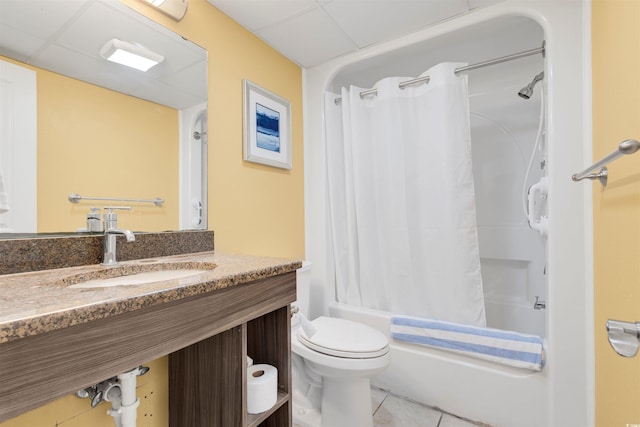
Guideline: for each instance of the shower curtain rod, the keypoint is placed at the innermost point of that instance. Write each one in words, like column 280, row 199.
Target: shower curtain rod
column 495, row 61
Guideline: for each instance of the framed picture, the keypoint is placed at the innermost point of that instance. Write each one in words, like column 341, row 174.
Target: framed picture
column 267, row 127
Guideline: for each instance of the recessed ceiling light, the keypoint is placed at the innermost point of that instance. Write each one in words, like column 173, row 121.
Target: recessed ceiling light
column 129, row 54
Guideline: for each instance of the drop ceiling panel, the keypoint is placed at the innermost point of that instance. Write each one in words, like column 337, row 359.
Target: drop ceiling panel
column 158, row 91
column 367, row 22
column 297, row 29
column 257, row 14
column 38, row 18
column 66, row 61
column 18, row 45
column 69, row 38
column 85, row 36
column 189, row 80
column 310, row 38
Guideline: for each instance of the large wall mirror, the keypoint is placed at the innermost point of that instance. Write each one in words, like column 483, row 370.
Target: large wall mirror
column 66, row 37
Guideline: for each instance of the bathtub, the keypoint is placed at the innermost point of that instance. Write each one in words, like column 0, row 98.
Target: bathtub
column 466, row 387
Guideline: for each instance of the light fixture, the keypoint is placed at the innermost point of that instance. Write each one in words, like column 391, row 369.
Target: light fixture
column 173, row 8
column 129, row 54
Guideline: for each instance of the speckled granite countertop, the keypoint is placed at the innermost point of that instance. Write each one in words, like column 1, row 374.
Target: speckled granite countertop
column 25, row 253
column 37, row 302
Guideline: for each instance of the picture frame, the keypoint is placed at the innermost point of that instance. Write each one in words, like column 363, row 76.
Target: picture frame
column 266, row 127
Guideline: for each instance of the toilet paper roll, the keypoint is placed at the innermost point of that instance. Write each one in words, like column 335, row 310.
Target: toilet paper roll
column 262, row 388
column 249, row 361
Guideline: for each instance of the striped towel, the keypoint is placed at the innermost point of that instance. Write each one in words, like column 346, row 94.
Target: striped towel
column 506, row 347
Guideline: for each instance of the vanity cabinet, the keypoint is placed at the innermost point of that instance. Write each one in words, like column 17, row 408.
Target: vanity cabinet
column 207, row 380
column 207, row 337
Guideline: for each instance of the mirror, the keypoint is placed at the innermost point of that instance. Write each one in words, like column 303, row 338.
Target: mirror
column 65, row 37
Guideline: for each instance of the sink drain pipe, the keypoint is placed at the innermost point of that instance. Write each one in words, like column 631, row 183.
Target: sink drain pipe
column 124, row 402
column 120, row 391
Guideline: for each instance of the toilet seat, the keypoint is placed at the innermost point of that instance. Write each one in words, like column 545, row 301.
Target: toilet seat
column 344, row 338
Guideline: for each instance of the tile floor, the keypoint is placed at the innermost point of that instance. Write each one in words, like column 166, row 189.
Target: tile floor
column 393, row 411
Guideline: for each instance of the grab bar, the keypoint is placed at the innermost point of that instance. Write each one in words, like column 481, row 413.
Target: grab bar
column 624, row 337
column 75, row 198
column 628, row 146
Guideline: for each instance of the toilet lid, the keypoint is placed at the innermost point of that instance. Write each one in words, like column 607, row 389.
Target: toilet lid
column 345, row 338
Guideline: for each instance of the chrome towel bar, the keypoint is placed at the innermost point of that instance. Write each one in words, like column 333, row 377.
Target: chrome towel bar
column 75, row 198
column 628, row 146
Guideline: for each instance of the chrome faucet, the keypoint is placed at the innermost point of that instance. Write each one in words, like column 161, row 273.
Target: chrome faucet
column 110, row 233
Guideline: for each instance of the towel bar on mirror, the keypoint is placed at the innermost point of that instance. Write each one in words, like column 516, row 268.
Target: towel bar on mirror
column 624, row 337
column 628, row 146
column 75, row 198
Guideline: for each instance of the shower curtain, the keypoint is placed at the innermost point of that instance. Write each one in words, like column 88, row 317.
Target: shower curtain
column 401, row 198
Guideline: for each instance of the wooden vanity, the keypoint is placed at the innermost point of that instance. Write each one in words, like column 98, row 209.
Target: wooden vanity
column 207, row 324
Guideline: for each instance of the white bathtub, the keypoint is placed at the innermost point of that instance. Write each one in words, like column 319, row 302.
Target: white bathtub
column 467, row 387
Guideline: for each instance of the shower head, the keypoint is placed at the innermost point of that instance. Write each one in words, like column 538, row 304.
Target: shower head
column 527, row 91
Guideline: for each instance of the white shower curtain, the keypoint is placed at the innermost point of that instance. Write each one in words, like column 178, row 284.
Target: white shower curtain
column 401, row 198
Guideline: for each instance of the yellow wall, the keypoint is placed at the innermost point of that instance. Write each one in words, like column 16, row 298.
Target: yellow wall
column 152, row 390
column 616, row 117
column 252, row 208
column 97, row 142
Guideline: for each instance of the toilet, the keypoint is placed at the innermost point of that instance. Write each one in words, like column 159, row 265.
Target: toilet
column 332, row 366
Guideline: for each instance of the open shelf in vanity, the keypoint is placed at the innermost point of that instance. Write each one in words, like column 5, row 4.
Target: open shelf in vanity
column 207, row 380
column 269, row 341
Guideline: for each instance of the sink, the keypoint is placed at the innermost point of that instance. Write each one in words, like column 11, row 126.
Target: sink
column 136, row 274
column 137, row 279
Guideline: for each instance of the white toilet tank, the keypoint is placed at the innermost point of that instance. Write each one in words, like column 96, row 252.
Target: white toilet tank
column 303, row 288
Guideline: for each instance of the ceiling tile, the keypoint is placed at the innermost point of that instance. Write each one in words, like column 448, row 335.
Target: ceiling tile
column 66, row 62
column 257, row 14
column 371, row 21
column 316, row 40
column 156, row 91
column 40, row 18
column 96, row 26
column 17, row 44
column 69, row 43
column 88, row 37
column 189, row 80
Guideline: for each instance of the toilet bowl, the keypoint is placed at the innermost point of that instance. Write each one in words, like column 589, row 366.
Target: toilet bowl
column 333, row 366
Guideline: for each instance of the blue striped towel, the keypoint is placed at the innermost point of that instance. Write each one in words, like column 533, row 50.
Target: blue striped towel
column 506, row 347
